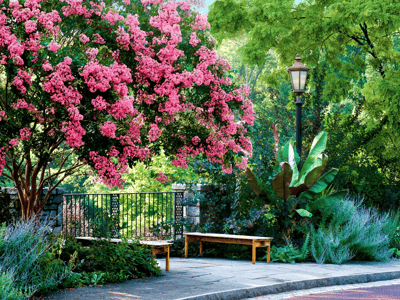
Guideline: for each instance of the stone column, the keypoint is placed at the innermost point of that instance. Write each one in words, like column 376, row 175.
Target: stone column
column 191, row 208
column 53, row 209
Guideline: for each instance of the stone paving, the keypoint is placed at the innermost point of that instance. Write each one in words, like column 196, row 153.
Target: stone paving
column 213, row 278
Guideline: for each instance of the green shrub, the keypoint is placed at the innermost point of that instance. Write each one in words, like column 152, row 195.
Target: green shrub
column 28, row 258
column 347, row 230
column 290, row 253
column 107, row 262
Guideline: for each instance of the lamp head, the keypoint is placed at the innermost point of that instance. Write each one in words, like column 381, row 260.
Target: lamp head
column 298, row 76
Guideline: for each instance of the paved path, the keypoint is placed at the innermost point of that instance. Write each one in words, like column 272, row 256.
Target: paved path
column 212, row 278
column 384, row 290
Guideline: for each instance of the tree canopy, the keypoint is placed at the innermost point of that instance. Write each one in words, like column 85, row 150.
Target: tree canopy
column 352, row 47
column 112, row 85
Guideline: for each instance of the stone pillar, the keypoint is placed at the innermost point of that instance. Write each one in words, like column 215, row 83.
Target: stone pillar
column 191, row 208
column 53, row 209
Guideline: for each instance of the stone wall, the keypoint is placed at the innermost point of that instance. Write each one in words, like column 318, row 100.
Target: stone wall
column 53, row 208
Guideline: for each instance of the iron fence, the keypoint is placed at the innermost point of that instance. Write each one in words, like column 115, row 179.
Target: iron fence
column 123, row 214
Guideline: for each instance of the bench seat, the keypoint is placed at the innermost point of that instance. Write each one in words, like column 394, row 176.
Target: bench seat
column 254, row 241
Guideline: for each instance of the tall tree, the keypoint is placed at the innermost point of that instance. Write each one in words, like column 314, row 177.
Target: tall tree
column 113, row 85
column 357, row 42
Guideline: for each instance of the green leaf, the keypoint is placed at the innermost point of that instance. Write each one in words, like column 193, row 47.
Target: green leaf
column 283, row 153
column 281, row 182
column 317, row 147
column 326, row 201
column 293, row 165
column 254, row 182
column 269, row 216
column 323, row 182
column 316, row 171
column 304, row 213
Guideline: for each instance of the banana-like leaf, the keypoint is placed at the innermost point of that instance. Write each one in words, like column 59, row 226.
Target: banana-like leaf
column 295, row 190
column 326, row 201
column 317, row 147
column 281, row 182
column 323, row 182
column 283, row 153
column 316, row 172
column 254, row 182
column 293, row 165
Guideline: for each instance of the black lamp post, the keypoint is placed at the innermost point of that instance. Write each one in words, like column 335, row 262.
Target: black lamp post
column 298, row 77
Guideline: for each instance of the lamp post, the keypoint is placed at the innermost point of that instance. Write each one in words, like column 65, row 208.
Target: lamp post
column 298, row 77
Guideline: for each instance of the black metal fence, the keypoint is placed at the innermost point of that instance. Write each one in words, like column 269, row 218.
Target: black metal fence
column 123, row 214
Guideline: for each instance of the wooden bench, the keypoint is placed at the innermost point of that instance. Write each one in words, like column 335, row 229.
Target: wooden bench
column 254, row 241
column 158, row 247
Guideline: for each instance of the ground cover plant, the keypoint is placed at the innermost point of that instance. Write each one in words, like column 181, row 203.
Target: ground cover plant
column 111, row 83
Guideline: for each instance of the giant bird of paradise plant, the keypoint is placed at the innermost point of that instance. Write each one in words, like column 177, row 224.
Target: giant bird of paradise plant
column 308, row 183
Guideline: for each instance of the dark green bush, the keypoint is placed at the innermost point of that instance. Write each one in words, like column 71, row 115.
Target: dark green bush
column 107, row 262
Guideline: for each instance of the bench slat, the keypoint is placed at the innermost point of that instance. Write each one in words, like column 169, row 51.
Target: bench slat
column 228, row 236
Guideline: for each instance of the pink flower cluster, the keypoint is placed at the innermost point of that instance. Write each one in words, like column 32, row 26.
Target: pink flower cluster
column 25, row 133
column 193, row 39
column 2, row 115
column 2, row 158
column 154, row 132
column 161, row 177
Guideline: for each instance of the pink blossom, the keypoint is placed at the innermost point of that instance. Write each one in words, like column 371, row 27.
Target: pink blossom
column 161, row 177
column 108, row 129
column 201, row 22
column 242, row 164
column 227, row 170
column 98, row 39
column 91, row 53
column 47, row 66
column 126, row 2
column 196, row 140
column 2, row 159
column 112, row 17
column 25, row 133
column 83, row 38
column 154, row 132
column 193, row 39
column 147, row 2
column 99, row 103
column 30, row 26
column 53, row 46
column 3, row 60
column 2, row 115
column 14, row 142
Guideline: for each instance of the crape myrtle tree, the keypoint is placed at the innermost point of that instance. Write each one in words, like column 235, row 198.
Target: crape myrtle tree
column 112, row 84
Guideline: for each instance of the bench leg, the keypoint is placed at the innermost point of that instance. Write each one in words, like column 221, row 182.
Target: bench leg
column 167, row 259
column 253, row 256
column 201, row 247
column 153, row 254
column 186, row 247
column 268, row 253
